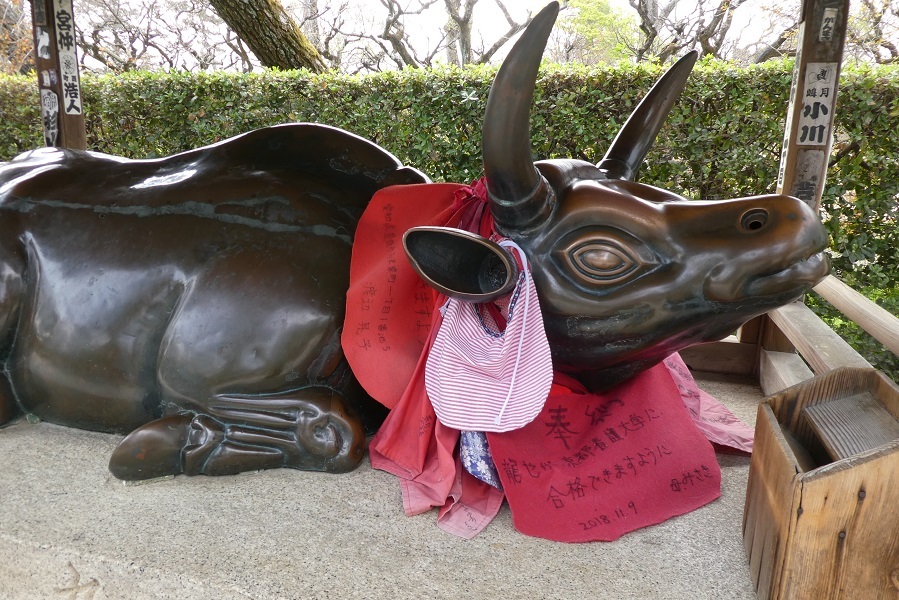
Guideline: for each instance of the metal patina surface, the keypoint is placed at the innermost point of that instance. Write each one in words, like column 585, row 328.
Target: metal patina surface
column 197, row 300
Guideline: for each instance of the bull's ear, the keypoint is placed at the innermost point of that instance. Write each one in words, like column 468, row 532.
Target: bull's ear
column 460, row 264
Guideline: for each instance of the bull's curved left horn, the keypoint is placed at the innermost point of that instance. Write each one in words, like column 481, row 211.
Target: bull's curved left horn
column 639, row 132
column 519, row 196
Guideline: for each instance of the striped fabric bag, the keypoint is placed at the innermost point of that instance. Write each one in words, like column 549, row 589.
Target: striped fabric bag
column 479, row 379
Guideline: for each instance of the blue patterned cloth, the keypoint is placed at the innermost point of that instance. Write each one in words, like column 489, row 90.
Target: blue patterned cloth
column 476, row 459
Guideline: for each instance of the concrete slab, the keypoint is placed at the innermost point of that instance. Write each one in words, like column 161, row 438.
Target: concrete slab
column 68, row 529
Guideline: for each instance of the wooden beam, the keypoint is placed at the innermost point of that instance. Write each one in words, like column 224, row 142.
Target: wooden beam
column 808, row 134
column 59, row 83
column 774, row 339
column 821, row 347
column 780, row 370
column 749, row 332
column 877, row 321
column 727, row 356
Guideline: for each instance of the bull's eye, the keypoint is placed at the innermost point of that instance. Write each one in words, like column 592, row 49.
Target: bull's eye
column 604, row 261
column 600, row 260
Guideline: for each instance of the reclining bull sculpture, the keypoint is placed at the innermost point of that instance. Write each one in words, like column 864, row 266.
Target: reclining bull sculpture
column 197, row 300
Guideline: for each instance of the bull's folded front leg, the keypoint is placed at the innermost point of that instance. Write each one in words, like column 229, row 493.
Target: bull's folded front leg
column 307, row 428
column 310, row 428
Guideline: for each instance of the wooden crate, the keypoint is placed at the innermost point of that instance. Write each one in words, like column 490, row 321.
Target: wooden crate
column 822, row 505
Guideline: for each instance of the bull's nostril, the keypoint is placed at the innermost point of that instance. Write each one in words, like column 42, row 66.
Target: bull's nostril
column 755, row 219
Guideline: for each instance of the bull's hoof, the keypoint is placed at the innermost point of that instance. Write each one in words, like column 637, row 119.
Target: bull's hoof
column 334, row 435
column 154, row 450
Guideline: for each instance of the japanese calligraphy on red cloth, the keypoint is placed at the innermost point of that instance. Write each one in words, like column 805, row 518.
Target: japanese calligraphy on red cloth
column 592, row 467
column 388, row 313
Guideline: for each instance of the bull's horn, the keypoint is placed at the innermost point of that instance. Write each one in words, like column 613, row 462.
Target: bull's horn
column 519, row 196
column 636, row 137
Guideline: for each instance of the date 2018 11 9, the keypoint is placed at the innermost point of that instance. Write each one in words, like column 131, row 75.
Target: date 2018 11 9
column 601, row 520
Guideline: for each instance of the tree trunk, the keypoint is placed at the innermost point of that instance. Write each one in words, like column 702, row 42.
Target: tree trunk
column 270, row 33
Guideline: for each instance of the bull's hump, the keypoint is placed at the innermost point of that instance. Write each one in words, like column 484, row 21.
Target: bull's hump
column 295, row 174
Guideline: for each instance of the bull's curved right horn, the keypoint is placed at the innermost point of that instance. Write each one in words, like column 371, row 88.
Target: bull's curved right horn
column 639, row 132
column 519, row 196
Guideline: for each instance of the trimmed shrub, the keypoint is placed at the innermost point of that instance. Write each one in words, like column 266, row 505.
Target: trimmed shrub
column 722, row 140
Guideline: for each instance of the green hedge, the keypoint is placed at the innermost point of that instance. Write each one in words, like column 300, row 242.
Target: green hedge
column 722, row 140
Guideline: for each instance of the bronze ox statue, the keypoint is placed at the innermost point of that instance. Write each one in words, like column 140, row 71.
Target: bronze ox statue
column 196, row 301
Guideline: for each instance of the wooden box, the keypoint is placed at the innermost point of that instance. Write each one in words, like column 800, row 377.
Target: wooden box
column 822, row 504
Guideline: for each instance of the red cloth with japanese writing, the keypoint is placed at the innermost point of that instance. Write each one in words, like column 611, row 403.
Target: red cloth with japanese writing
column 389, row 307
column 592, row 467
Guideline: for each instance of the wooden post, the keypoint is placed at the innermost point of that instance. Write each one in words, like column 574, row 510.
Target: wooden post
column 808, row 135
column 56, row 64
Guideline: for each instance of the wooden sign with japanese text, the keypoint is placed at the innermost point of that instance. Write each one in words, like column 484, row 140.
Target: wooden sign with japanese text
column 59, row 83
column 389, row 307
column 68, row 59
column 809, row 130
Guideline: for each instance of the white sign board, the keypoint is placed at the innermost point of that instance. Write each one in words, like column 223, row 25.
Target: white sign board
column 68, row 60
column 818, row 94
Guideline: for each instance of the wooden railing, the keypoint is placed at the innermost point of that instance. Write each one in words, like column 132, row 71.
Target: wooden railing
column 881, row 324
column 792, row 344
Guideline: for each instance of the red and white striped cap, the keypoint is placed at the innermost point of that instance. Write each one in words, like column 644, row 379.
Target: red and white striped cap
column 483, row 380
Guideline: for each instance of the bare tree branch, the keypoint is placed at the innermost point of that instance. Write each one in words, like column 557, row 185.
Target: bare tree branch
column 775, row 48
column 271, row 33
column 125, row 34
column 873, row 30
column 118, row 35
column 514, row 28
column 672, row 27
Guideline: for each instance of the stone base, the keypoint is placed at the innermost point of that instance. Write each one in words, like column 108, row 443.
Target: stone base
column 70, row 530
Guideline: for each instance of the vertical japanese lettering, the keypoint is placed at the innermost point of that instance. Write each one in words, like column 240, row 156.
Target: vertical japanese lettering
column 828, row 24
column 816, row 116
column 68, row 59
column 50, row 116
column 39, row 13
